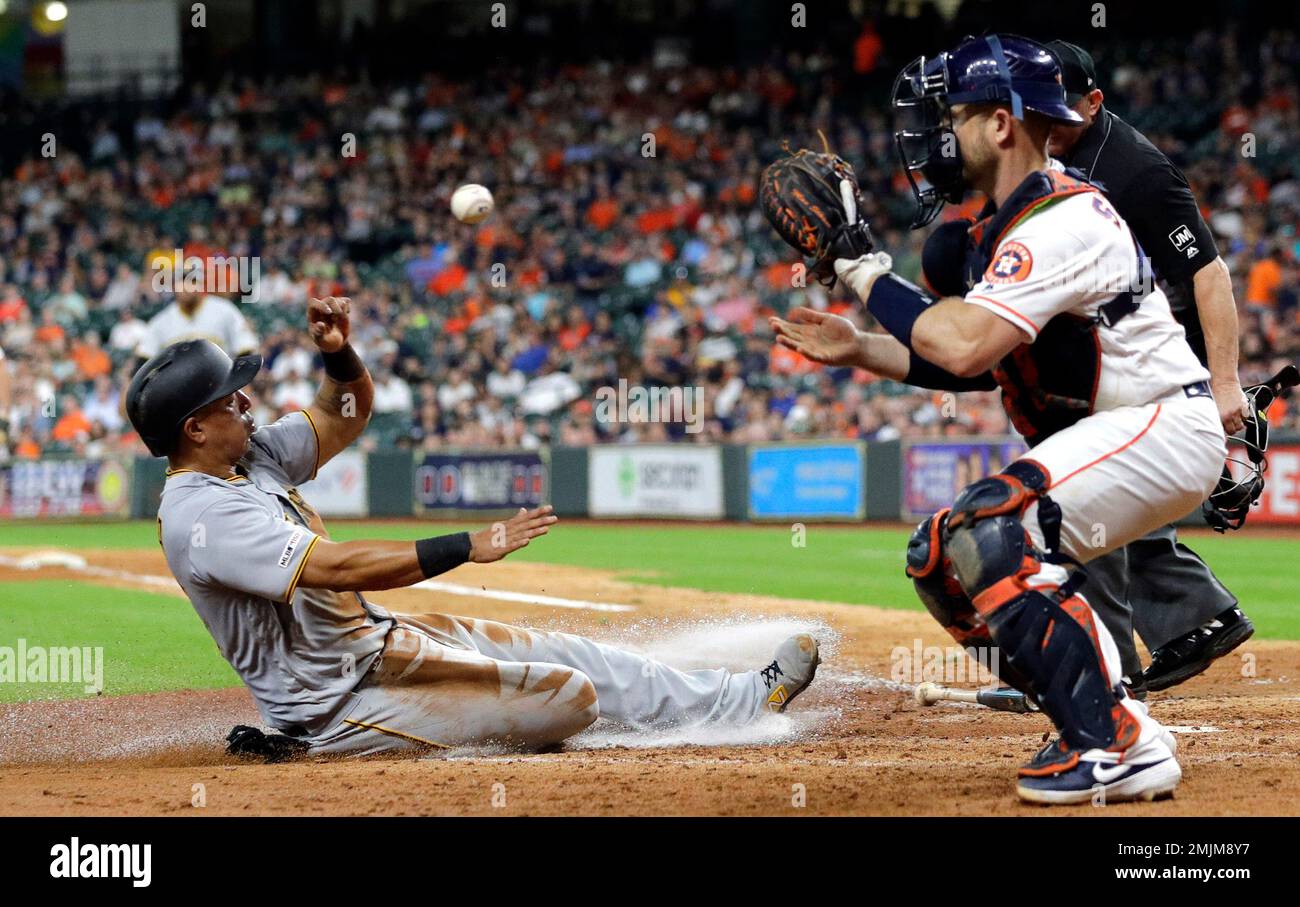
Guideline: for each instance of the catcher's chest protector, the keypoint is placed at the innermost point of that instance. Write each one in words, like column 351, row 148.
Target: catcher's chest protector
column 1052, row 383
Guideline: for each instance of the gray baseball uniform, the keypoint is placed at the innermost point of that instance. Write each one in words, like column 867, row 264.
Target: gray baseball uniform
column 238, row 548
column 348, row 676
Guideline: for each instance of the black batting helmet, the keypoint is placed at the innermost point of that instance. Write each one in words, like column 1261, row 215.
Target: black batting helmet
column 178, row 382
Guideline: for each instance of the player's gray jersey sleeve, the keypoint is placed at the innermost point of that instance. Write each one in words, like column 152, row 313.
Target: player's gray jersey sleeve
column 244, row 547
column 292, row 442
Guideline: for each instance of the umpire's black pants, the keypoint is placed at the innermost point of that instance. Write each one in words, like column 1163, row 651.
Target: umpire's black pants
column 1156, row 586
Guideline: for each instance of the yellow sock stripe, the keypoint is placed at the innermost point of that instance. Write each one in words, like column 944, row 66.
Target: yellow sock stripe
column 387, row 730
column 297, row 574
column 315, row 431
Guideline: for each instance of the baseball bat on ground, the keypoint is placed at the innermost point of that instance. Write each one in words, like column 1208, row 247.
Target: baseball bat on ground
column 1004, row 699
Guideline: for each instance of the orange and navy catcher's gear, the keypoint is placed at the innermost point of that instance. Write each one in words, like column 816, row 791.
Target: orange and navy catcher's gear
column 1046, row 635
column 1005, row 69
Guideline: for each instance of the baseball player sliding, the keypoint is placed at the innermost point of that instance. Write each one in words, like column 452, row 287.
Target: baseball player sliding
column 284, row 603
column 1094, row 371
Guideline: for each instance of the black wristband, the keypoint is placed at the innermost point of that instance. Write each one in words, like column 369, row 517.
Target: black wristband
column 345, row 366
column 443, row 552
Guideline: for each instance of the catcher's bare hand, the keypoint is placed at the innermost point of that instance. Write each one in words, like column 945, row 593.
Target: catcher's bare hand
column 499, row 539
column 819, row 336
column 1232, row 402
column 329, row 322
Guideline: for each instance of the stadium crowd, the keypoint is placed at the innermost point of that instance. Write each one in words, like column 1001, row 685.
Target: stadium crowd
column 625, row 245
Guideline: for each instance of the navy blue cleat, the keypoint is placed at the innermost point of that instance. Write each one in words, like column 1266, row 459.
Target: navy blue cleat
column 1074, row 780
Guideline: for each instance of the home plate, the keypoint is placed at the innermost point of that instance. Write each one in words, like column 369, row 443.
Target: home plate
column 1193, row 728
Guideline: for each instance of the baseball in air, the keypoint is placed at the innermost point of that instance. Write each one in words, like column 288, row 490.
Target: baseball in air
column 471, row 203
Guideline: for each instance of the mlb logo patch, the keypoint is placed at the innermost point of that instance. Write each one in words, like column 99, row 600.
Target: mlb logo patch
column 290, row 547
column 1011, row 264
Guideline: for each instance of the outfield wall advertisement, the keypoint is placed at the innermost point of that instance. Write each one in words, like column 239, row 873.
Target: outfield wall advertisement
column 340, row 489
column 660, row 480
column 480, row 481
column 934, row 471
column 71, row 488
column 812, row 481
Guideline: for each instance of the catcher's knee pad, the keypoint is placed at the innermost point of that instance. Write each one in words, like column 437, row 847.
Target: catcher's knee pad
column 985, row 536
column 936, row 586
column 939, row 590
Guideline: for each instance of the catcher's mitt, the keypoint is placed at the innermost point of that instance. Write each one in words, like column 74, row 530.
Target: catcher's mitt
column 811, row 198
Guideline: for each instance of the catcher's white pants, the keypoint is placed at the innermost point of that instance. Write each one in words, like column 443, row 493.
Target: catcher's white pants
column 1122, row 473
column 1118, row 475
column 448, row 681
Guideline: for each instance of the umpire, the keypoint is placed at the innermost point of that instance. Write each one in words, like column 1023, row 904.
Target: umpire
column 1157, row 585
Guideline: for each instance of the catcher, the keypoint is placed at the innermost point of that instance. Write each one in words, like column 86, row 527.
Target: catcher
column 335, row 672
column 1098, row 377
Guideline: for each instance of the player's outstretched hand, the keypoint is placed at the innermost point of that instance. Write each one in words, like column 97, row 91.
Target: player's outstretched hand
column 329, row 322
column 499, row 539
column 819, row 336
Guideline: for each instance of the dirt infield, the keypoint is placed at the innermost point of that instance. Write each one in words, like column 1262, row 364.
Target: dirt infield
column 856, row 743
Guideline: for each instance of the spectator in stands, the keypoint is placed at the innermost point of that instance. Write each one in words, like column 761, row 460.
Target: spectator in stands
column 127, row 333
column 27, row 447
column 102, row 406
column 72, row 424
column 91, row 359
column 656, row 270
column 123, row 291
column 67, row 306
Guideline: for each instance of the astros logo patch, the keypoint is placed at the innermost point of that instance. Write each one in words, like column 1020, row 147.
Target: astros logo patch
column 1011, row 264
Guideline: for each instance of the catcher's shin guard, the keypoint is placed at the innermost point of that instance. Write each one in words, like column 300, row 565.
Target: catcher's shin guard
column 1047, row 636
column 938, row 589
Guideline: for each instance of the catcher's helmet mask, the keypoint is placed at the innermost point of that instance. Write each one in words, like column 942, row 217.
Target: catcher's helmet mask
column 1229, row 504
column 992, row 69
column 177, row 383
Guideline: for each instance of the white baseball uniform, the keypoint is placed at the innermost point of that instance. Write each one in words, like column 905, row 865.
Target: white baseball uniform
column 215, row 319
column 1153, row 446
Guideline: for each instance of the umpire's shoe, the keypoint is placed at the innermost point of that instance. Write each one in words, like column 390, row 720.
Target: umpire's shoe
column 1192, row 653
column 790, row 672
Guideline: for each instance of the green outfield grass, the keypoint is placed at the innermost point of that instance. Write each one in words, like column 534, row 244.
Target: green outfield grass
column 164, row 646
column 150, row 642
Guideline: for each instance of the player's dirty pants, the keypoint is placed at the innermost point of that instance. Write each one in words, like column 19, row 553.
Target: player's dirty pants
column 447, row 681
column 1120, row 474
